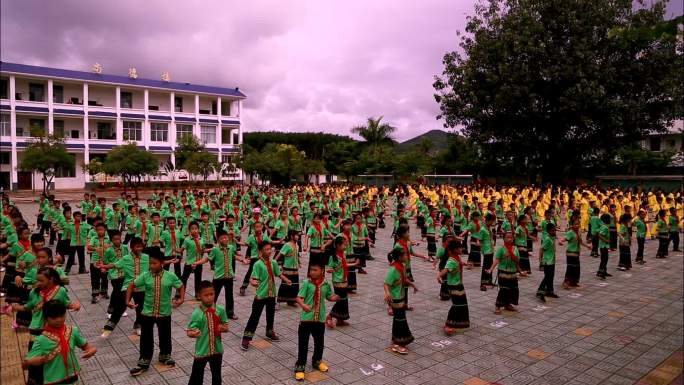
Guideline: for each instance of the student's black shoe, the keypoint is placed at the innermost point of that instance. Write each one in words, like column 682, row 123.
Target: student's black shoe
column 83, row 272
column 601, row 275
column 552, row 295
column 371, row 258
column 244, row 346
column 272, row 336
column 138, row 370
column 105, row 296
column 93, row 300
column 541, row 297
column 242, row 291
column 608, row 274
column 168, row 361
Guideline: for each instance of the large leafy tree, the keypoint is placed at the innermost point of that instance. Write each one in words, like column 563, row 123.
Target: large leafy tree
column 185, row 148
column 131, row 164
column 550, row 85
column 202, row 163
column 279, row 163
column 375, row 132
column 45, row 154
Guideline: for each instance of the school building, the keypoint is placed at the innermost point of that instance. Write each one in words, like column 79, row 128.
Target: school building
column 94, row 112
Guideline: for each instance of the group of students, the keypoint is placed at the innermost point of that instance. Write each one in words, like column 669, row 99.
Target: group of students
column 147, row 252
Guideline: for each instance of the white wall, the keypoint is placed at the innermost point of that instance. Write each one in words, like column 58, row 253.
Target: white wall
column 71, row 90
column 103, row 95
column 78, row 181
column 138, row 98
column 188, row 103
column 205, row 103
column 160, row 100
column 22, row 86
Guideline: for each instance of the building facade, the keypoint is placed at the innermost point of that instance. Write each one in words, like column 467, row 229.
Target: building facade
column 94, row 112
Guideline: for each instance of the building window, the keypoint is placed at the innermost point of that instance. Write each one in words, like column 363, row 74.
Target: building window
column 4, row 89
column 36, row 92
column 36, row 127
column 225, row 135
column 183, row 131
column 105, row 131
column 178, row 103
column 57, row 94
column 58, row 128
column 225, row 108
column 132, row 130
column 655, row 144
column 61, row 172
column 5, row 157
column 226, row 158
column 159, row 132
column 126, row 100
column 5, row 125
column 208, row 134
column 236, row 137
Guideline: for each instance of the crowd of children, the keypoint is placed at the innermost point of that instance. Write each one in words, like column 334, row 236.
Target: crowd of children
column 141, row 254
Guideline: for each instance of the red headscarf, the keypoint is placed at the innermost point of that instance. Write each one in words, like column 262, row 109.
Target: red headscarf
column 510, row 248
column 401, row 269
column 317, row 293
column 25, row 244
column 63, row 343
column 271, row 276
column 212, row 317
column 319, row 230
column 343, row 259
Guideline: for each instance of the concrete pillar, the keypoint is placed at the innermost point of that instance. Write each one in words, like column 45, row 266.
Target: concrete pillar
column 146, row 103
column 50, row 92
column 86, row 130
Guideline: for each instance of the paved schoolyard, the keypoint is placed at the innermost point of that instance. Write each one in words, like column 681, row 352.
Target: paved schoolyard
column 627, row 329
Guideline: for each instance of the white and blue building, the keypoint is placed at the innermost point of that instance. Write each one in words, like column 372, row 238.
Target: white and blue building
column 94, row 112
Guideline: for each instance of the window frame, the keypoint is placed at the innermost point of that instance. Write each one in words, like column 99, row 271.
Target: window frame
column 129, row 97
column 70, row 173
column 180, row 135
column 202, row 134
column 5, row 125
column 32, row 92
column 127, row 130
column 155, row 131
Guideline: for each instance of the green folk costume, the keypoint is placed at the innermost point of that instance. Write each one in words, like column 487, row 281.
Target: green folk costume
column 315, row 299
column 158, row 289
column 61, row 365
column 203, row 319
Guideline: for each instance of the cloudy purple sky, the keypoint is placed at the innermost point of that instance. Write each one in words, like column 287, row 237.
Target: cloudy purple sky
column 304, row 65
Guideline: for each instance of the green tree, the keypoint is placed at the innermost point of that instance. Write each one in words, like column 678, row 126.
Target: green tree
column 340, row 158
column 550, row 85
column 45, row 154
column 93, row 167
column 634, row 159
column 186, row 147
column 202, row 163
column 375, row 132
column 131, row 164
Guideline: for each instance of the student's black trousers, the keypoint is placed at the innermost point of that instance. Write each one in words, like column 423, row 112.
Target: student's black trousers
column 76, row 251
column 147, row 338
column 227, row 284
column 248, row 274
column 257, row 308
column 198, row 365
column 307, row 329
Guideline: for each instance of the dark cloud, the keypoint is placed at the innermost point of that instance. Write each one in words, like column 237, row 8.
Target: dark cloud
column 305, row 65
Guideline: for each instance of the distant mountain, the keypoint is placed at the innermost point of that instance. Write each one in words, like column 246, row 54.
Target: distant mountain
column 438, row 138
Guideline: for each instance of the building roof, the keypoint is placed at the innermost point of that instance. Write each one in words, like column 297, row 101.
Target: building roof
column 117, row 79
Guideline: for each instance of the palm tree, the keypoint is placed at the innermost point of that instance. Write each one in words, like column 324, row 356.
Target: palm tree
column 374, row 132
